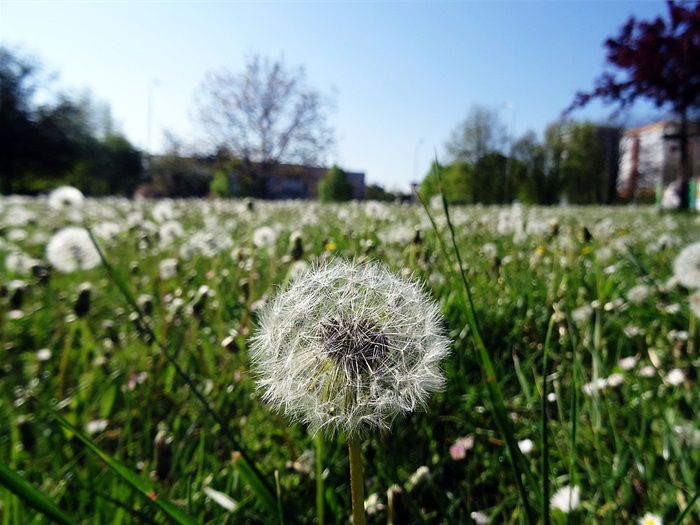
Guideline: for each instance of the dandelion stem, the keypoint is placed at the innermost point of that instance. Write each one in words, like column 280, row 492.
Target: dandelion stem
column 356, row 481
column 319, row 480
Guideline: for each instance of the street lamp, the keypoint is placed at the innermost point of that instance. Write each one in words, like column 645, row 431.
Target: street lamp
column 149, row 116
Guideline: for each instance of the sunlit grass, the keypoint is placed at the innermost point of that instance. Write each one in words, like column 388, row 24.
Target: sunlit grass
column 615, row 403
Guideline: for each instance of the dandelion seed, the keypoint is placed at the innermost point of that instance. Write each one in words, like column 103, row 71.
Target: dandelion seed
column 650, row 519
column 686, row 267
column 348, row 347
column 566, row 499
column 71, row 249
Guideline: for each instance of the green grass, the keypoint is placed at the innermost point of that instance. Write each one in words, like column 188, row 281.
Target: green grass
column 181, row 414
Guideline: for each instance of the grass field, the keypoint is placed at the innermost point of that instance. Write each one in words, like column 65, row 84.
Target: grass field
column 591, row 340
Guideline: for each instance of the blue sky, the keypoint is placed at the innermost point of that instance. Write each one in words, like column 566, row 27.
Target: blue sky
column 403, row 75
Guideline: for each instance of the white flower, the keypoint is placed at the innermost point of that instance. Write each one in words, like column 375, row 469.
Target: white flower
column 650, row 519
column 594, row 386
column 526, row 446
column 686, row 267
column 348, row 347
column 96, row 426
column 615, row 380
column 459, row 448
column 566, row 499
column 675, row 377
column 480, row 518
column 647, row 371
column 627, row 363
column 71, row 249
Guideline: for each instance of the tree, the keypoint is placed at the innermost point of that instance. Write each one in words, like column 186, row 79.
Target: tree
column 18, row 130
column 334, row 186
column 376, row 192
column 480, row 133
column 658, row 60
column 265, row 116
column 583, row 174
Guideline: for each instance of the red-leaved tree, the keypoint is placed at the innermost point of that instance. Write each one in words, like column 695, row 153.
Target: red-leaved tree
column 659, row 61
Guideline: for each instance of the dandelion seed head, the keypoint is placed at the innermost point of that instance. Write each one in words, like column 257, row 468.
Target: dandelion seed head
column 66, row 198
column 349, row 346
column 686, row 267
column 71, row 249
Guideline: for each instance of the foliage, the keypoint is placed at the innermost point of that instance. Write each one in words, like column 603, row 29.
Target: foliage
column 221, row 184
column 479, row 134
column 376, row 192
column 334, row 186
column 583, row 177
column 173, row 175
column 69, row 141
column 264, row 116
column 658, row 60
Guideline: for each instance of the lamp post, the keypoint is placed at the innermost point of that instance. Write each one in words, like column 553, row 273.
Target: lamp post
column 149, row 115
column 509, row 160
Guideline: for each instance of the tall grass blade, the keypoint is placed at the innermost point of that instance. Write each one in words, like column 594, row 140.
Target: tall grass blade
column 544, row 441
column 518, row 462
column 32, row 496
column 168, row 508
column 686, row 511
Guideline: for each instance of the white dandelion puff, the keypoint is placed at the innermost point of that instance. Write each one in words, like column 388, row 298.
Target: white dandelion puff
column 566, row 499
column 71, row 249
column 686, row 267
column 348, row 347
column 66, row 198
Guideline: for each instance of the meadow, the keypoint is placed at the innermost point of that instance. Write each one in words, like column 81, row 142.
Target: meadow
column 126, row 389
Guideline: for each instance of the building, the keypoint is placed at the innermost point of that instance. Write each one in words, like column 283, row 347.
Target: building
column 650, row 157
column 292, row 181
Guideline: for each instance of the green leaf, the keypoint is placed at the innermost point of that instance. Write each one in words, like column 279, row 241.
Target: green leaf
column 168, row 508
column 30, row 495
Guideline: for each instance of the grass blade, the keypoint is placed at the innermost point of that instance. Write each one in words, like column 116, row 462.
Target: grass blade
column 518, row 463
column 168, row 508
column 32, row 496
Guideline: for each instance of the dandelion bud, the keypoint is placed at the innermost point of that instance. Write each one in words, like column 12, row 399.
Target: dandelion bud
column 297, row 247
column 145, row 302
column 162, row 455
column 82, row 303
column 397, row 506
column 348, row 347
